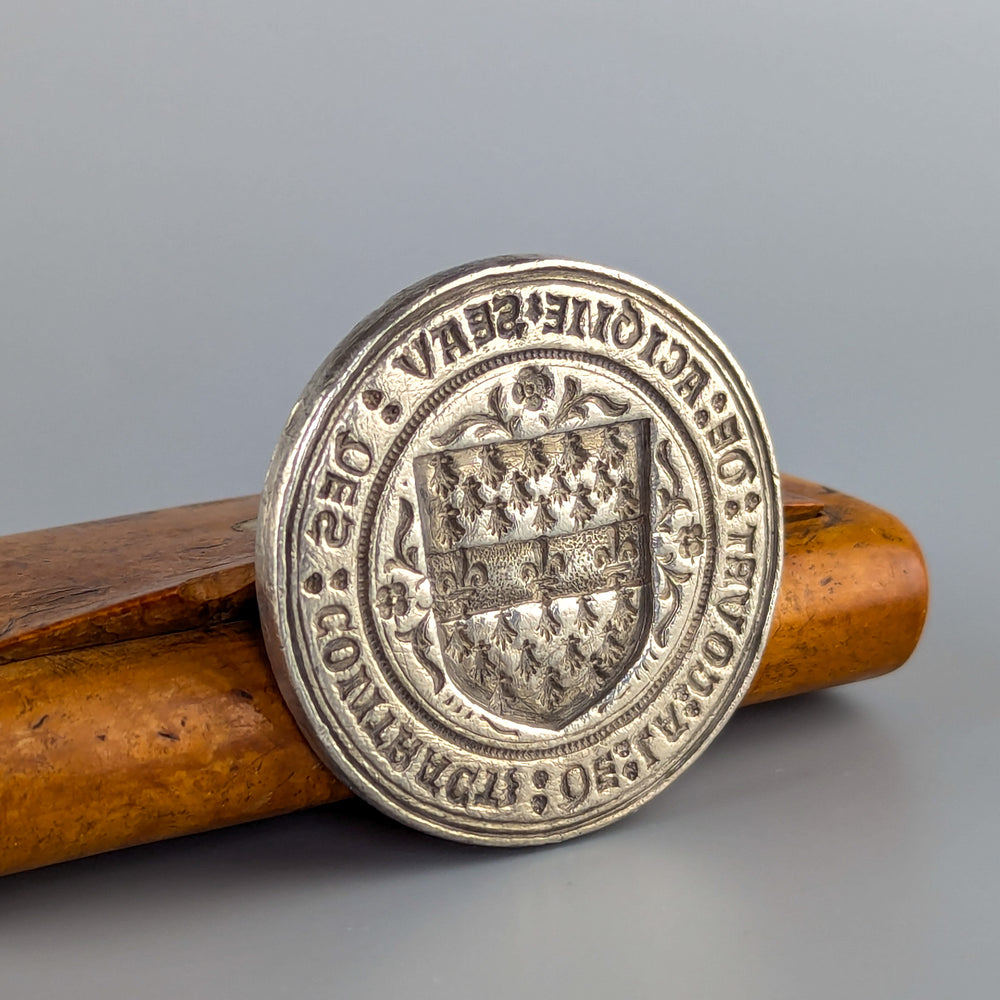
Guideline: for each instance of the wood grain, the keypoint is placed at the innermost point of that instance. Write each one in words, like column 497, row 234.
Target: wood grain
column 136, row 702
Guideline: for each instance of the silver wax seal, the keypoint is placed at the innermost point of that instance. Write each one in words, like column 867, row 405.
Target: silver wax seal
column 519, row 549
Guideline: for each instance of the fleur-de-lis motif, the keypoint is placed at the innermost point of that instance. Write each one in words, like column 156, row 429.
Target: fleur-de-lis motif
column 576, row 659
column 535, row 461
column 574, row 455
column 444, row 477
column 626, row 609
column 459, row 643
column 583, row 509
column 561, row 490
column 492, row 467
column 484, row 667
column 586, row 614
column 449, row 529
column 500, row 522
column 473, row 499
column 528, row 663
column 604, row 483
column 627, row 503
column 520, row 547
column 613, row 449
column 608, row 654
column 552, row 692
column 504, row 695
column 505, row 632
column 549, row 624
column 521, row 496
column 670, row 493
column 544, row 520
column 575, row 401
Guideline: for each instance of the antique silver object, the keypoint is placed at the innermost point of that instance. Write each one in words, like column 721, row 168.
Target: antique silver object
column 519, row 549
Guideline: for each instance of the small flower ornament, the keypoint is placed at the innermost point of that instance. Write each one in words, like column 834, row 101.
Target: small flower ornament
column 532, row 387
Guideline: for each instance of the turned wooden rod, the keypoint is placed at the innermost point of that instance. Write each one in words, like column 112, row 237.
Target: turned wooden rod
column 136, row 701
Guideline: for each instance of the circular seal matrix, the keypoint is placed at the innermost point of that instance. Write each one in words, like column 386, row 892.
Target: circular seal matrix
column 519, row 549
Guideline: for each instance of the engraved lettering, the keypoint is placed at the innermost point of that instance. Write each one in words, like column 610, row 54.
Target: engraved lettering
column 352, row 455
column 652, row 345
column 355, row 681
column 377, row 730
column 452, row 339
column 509, row 323
column 423, row 365
column 604, row 313
column 458, row 788
column 671, row 725
column 627, row 329
column 480, row 321
column 510, row 785
column 733, row 610
column 580, row 325
column 538, row 539
column 703, row 679
column 575, row 785
column 341, row 653
column 433, row 767
column 367, row 702
column 402, row 751
column 605, row 772
column 735, row 466
column 741, row 541
column 674, row 368
column 555, row 313
column 327, row 618
column 725, row 433
column 717, row 649
column 740, row 569
column 331, row 528
column 690, row 387
column 645, row 743
column 337, row 488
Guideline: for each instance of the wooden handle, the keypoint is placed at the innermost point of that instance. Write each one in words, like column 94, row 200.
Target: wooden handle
column 136, row 702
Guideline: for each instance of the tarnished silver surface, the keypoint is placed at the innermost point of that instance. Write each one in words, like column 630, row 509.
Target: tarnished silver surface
column 519, row 548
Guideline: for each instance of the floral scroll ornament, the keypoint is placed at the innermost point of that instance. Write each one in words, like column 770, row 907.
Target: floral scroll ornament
column 393, row 602
column 533, row 388
column 671, row 495
column 690, row 539
column 673, row 579
column 497, row 418
column 574, row 403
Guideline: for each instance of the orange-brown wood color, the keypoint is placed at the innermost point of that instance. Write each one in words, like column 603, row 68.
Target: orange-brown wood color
column 136, row 701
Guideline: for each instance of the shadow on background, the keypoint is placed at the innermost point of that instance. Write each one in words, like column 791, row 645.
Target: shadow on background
column 761, row 751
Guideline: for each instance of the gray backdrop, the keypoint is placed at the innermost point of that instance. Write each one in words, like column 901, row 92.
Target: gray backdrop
column 199, row 199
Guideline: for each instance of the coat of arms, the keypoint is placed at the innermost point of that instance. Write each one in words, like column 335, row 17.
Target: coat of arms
column 538, row 560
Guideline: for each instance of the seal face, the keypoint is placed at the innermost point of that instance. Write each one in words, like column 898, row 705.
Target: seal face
column 519, row 549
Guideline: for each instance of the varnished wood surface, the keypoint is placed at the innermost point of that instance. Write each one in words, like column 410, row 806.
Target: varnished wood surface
column 136, row 702
column 126, row 577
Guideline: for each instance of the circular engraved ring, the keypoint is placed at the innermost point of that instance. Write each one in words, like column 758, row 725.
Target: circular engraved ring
column 519, row 549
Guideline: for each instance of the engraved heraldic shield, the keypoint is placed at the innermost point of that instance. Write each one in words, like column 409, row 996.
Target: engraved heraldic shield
column 538, row 558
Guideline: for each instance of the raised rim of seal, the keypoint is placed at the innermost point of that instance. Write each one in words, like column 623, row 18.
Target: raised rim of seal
column 339, row 379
